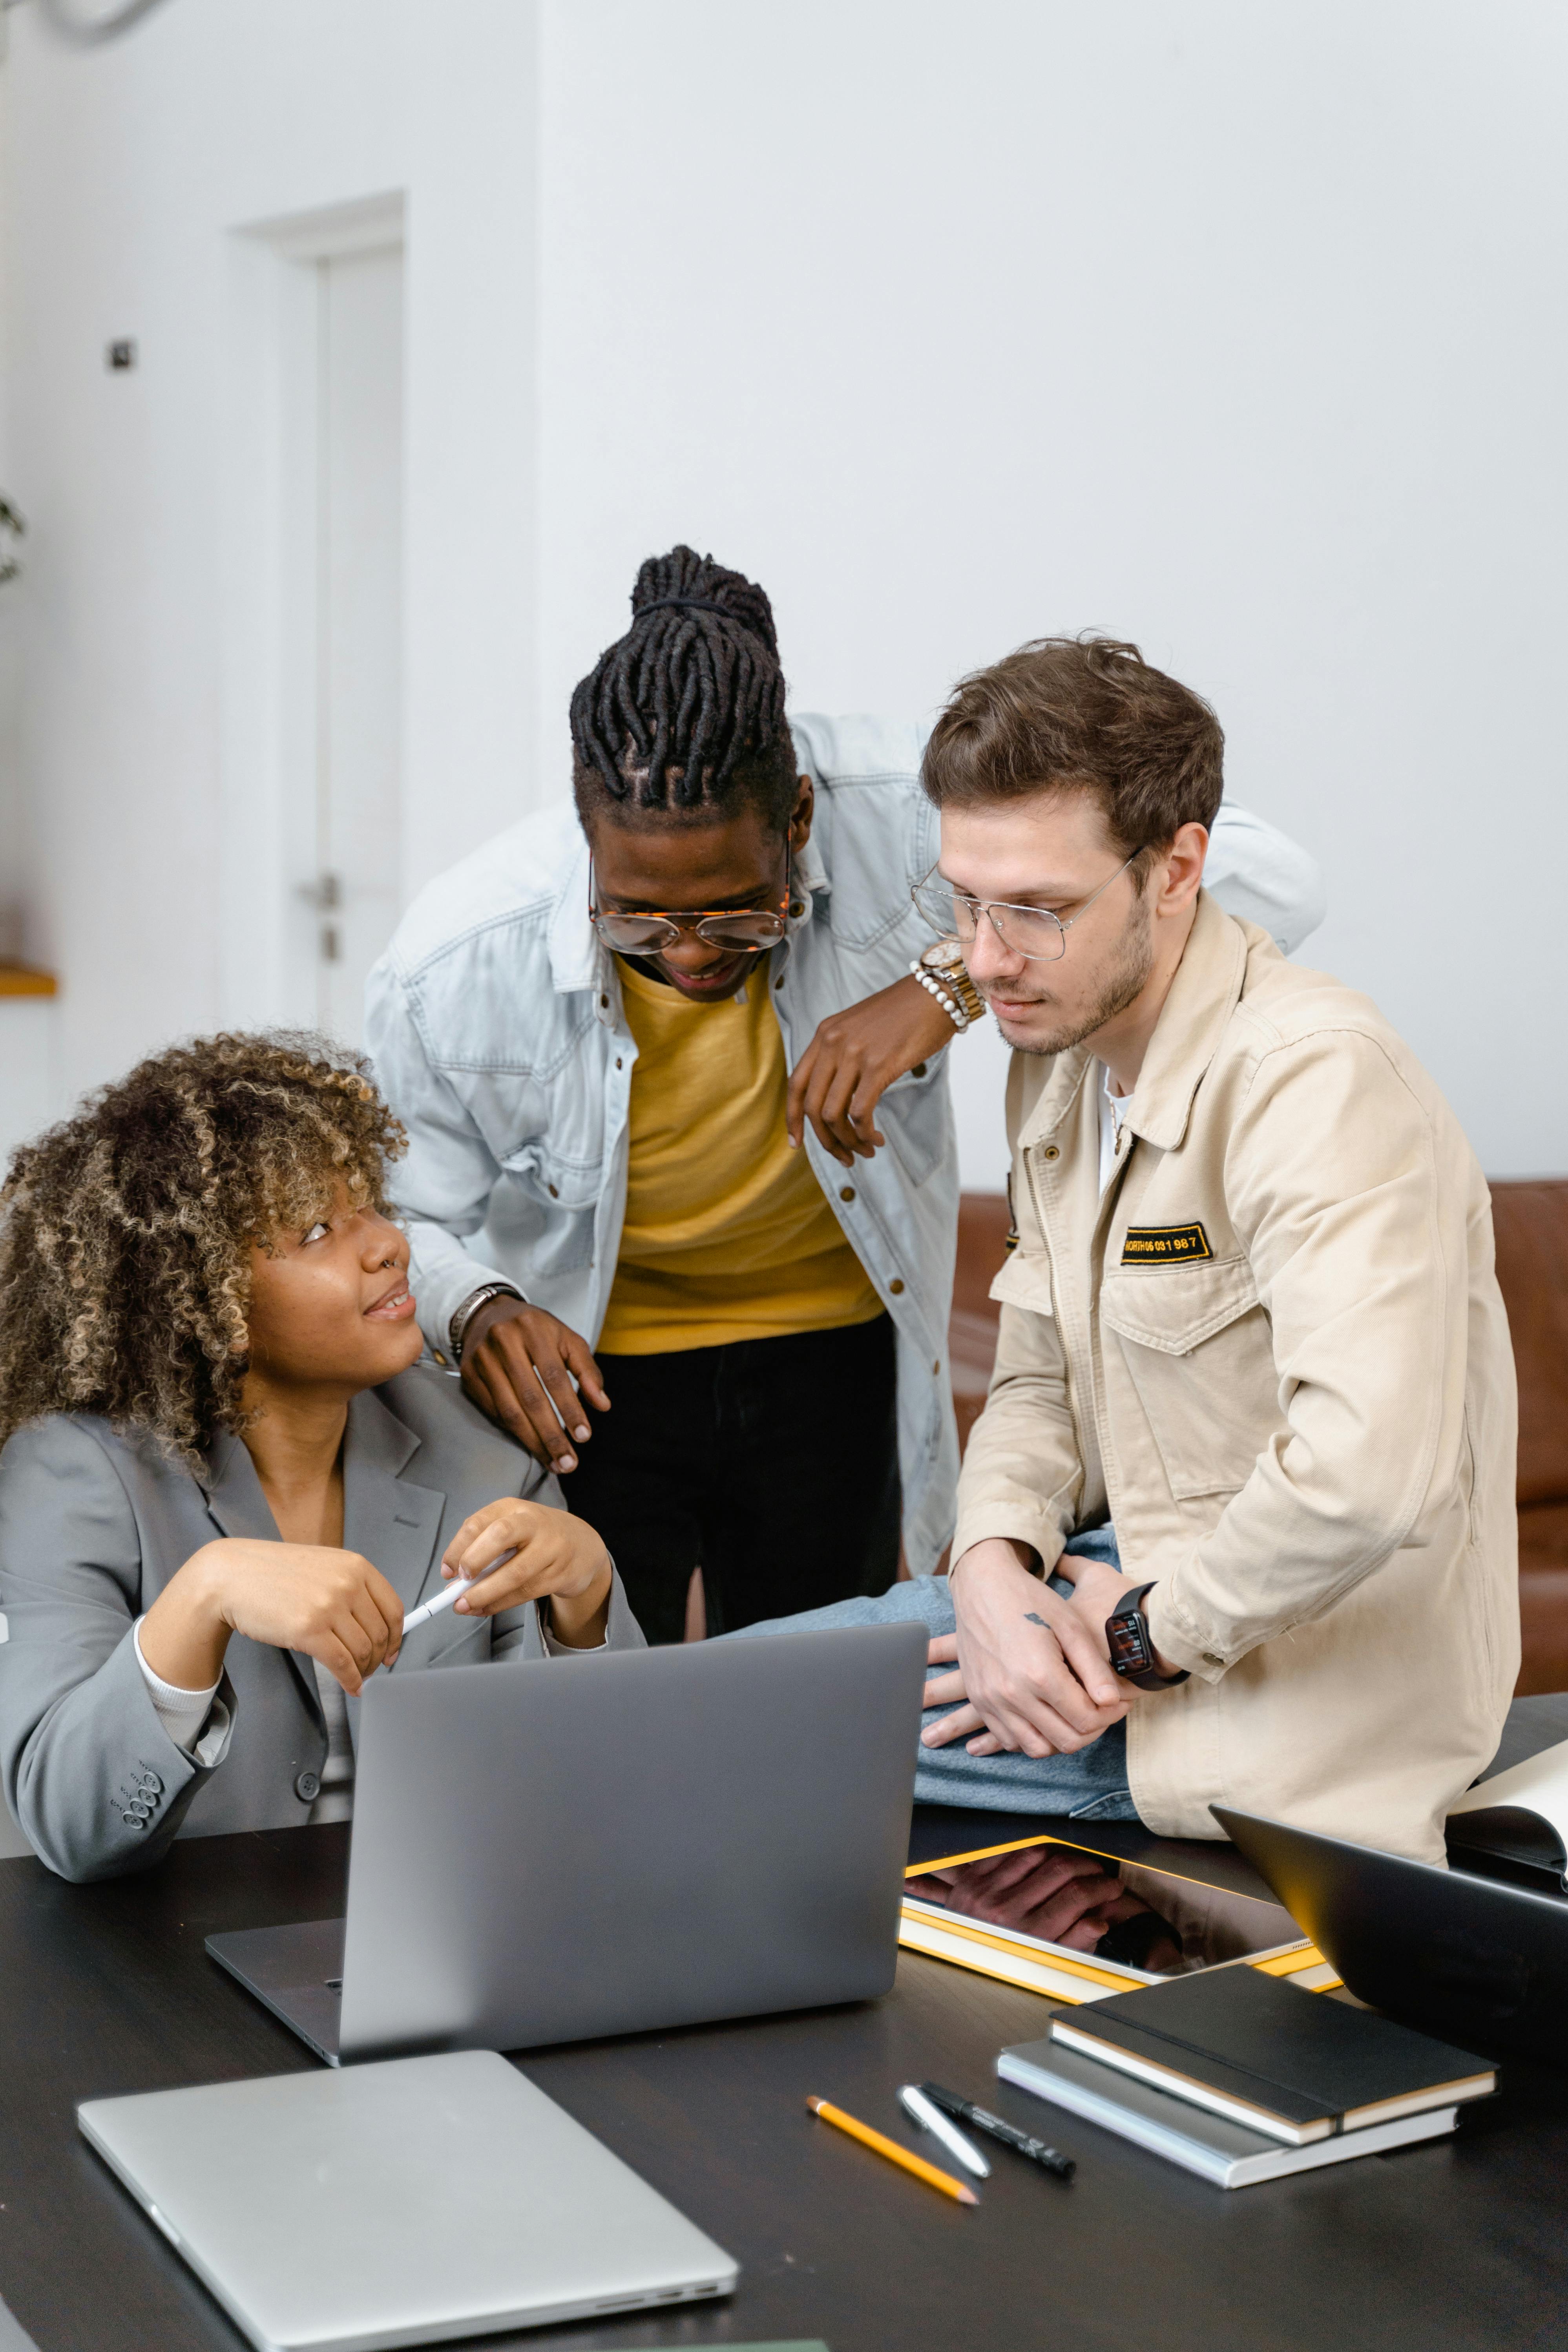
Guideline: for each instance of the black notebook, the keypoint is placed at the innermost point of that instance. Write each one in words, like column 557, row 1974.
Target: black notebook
column 1295, row 2066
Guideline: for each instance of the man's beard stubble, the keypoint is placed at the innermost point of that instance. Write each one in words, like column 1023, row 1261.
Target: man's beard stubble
column 1134, row 962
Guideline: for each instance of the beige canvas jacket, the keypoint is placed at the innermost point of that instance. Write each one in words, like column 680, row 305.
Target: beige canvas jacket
column 1275, row 1356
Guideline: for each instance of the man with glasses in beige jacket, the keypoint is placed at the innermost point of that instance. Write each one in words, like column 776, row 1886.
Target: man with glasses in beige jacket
column 1237, row 1524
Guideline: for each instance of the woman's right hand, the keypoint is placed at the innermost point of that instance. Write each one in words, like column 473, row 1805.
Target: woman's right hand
column 332, row 1605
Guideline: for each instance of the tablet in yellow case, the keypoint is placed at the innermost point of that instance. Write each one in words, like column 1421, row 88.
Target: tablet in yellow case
column 1078, row 1925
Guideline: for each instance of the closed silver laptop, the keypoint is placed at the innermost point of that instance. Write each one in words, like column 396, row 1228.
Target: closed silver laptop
column 587, row 1846
column 405, row 2203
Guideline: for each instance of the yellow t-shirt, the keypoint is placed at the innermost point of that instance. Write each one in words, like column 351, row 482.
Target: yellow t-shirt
column 727, row 1233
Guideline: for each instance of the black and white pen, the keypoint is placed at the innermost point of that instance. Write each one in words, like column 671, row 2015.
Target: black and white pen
column 450, row 1594
column 929, row 2118
column 980, row 2120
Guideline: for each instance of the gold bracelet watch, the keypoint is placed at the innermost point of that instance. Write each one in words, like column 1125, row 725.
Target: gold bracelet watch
column 944, row 961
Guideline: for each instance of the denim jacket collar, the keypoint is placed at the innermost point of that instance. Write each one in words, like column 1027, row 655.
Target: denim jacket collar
column 576, row 958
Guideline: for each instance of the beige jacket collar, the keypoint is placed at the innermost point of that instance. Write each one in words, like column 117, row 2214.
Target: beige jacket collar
column 1203, row 994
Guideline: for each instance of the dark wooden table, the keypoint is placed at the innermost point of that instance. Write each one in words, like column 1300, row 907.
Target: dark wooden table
column 1438, row 2248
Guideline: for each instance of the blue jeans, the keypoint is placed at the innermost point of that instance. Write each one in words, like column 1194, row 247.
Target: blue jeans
column 1088, row 1786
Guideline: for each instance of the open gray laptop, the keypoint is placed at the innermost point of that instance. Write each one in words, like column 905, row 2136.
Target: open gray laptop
column 587, row 1846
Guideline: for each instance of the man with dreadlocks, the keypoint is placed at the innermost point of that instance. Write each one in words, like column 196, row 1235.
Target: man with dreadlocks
column 682, row 1180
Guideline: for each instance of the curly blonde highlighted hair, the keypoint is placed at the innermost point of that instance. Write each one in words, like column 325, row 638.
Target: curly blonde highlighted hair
column 126, row 1231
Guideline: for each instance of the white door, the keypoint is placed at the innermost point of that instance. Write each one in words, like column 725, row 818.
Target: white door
column 359, row 616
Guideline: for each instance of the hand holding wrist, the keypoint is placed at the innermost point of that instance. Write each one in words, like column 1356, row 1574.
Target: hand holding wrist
column 1029, row 1675
column 1099, row 1590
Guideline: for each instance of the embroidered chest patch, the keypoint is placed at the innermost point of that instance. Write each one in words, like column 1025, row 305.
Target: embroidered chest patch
column 1164, row 1244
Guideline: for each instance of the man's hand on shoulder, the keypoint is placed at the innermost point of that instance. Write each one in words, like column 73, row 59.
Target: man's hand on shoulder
column 520, row 1365
column 853, row 1060
column 1031, row 1675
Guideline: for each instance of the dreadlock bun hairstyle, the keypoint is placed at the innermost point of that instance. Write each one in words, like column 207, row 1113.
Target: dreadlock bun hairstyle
column 684, row 716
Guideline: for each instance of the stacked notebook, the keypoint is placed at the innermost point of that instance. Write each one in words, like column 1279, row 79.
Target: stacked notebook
column 1241, row 2076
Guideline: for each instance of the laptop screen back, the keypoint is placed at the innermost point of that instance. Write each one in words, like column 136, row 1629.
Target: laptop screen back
column 551, row 1851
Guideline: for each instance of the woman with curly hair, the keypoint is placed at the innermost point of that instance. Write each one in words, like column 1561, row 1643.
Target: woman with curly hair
column 225, row 1479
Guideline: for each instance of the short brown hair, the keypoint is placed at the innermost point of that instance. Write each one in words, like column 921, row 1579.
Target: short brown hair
column 1088, row 713
column 126, row 1231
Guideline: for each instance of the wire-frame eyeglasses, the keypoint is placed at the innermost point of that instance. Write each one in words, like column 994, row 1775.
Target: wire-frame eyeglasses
column 1033, row 932
column 651, row 930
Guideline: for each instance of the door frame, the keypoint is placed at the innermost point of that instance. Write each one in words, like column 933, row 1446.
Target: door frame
column 271, row 601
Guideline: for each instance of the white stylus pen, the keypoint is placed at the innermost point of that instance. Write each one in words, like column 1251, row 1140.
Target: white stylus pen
column 454, row 1592
column 916, row 2104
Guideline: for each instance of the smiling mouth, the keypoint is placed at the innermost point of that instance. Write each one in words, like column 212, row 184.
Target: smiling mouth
column 704, row 984
column 394, row 1306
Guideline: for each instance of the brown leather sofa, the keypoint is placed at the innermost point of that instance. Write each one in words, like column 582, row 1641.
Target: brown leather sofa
column 1531, row 1221
column 1531, row 1225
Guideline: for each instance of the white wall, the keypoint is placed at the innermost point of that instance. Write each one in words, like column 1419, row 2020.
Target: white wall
column 130, row 169
column 1235, row 330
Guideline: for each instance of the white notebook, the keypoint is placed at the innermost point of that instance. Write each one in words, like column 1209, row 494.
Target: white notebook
column 405, row 2203
column 1521, row 1814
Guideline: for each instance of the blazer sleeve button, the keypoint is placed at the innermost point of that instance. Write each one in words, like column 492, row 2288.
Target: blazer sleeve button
column 308, row 1788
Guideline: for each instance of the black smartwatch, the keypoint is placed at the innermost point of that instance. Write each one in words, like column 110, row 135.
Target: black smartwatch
column 1131, row 1645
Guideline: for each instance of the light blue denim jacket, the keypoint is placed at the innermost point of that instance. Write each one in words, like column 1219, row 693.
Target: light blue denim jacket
column 497, row 1029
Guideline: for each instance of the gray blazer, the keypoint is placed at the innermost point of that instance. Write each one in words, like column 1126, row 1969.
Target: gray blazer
column 93, row 1525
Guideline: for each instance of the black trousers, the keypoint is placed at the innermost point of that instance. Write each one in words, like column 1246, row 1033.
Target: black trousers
column 772, row 1464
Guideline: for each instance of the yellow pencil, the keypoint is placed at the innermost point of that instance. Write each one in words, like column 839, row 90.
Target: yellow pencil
column 893, row 2152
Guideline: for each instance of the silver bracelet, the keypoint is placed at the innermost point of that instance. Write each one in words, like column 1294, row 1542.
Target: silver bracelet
column 933, row 987
column 458, row 1328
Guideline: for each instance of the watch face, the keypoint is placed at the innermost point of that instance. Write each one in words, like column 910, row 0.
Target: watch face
column 1129, row 1652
